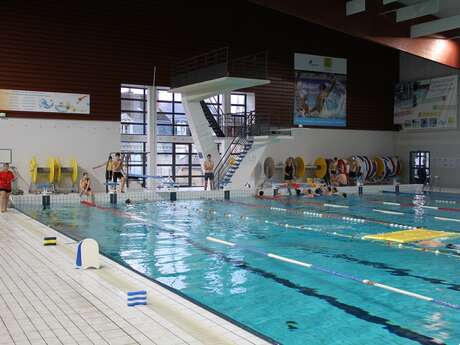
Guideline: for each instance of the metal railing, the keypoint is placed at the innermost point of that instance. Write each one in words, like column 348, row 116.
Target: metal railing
column 235, row 149
column 216, row 64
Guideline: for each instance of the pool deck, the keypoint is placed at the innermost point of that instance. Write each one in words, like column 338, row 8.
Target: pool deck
column 45, row 300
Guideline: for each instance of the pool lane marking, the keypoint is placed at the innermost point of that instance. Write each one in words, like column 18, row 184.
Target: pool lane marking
column 388, row 212
column 436, row 208
column 342, row 275
column 448, row 219
column 335, row 205
column 320, row 204
column 391, row 203
column 327, row 215
column 174, row 228
column 357, row 237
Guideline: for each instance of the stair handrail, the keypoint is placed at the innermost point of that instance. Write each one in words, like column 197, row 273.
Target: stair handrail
column 240, row 140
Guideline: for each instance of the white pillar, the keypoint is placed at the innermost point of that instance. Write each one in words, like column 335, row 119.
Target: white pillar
column 151, row 144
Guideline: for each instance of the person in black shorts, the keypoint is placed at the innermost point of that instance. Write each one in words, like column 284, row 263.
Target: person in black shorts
column 117, row 167
column 289, row 173
column 208, row 167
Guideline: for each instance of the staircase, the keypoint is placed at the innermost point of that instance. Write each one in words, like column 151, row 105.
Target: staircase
column 237, row 158
column 211, row 118
column 235, row 153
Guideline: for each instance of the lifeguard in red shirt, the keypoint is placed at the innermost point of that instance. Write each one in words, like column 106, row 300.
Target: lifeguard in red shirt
column 6, row 179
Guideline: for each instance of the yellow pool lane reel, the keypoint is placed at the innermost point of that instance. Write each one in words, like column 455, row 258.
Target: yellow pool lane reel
column 61, row 171
column 321, row 167
column 36, row 170
column 54, row 171
column 299, row 167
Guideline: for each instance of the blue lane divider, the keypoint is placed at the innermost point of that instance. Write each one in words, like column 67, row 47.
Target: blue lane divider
column 340, row 275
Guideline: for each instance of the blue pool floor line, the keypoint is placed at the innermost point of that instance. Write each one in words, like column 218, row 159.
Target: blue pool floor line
column 340, row 275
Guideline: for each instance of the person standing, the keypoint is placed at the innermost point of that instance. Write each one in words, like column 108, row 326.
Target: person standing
column 6, row 179
column 289, row 173
column 108, row 172
column 117, row 167
column 208, row 167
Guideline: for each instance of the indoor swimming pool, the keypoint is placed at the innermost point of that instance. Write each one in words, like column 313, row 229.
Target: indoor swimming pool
column 249, row 260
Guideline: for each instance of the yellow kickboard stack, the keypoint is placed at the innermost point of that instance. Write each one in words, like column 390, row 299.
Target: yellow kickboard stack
column 49, row 241
column 408, row 236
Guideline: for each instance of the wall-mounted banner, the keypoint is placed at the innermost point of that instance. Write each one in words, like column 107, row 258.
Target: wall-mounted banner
column 427, row 104
column 42, row 101
column 320, row 91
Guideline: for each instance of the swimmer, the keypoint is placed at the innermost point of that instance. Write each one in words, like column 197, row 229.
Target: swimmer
column 453, row 246
column 344, row 195
column 128, row 202
column 431, row 244
column 310, row 194
column 85, row 186
column 334, row 191
column 340, row 180
column 328, row 191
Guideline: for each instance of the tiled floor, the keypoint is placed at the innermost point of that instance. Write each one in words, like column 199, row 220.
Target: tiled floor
column 45, row 300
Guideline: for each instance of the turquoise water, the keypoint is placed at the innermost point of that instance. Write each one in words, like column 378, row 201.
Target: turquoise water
column 290, row 304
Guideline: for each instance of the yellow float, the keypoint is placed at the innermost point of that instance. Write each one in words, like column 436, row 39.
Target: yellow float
column 321, row 165
column 408, row 236
column 299, row 167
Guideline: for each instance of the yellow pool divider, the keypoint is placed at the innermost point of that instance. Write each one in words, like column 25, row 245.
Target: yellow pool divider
column 413, row 235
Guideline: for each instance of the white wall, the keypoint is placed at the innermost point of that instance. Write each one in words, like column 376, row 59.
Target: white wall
column 89, row 142
column 309, row 143
column 441, row 143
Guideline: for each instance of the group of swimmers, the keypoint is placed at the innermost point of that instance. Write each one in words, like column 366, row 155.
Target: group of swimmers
column 319, row 191
column 343, row 174
column 113, row 172
column 328, row 189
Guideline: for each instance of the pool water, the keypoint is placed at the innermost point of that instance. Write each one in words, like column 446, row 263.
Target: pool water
column 288, row 303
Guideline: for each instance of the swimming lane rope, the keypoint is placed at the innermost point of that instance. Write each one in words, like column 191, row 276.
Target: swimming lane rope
column 340, row 275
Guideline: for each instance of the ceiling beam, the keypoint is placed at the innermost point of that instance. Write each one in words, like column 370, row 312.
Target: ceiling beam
column 435, row 26
column 420, row 9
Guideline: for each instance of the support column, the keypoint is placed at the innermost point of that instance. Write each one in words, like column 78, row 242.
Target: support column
column 151, row 145
column 200, row 129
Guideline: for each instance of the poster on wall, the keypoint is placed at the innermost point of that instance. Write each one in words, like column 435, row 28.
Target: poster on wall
column 320, row 91
column 42, row 101
column 427, row 104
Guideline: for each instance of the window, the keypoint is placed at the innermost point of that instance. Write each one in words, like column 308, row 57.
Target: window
column 239, row 103
column 133, row 110
column 171, row 118
column 420, row 168
column 180, row 162
column 136, row 160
